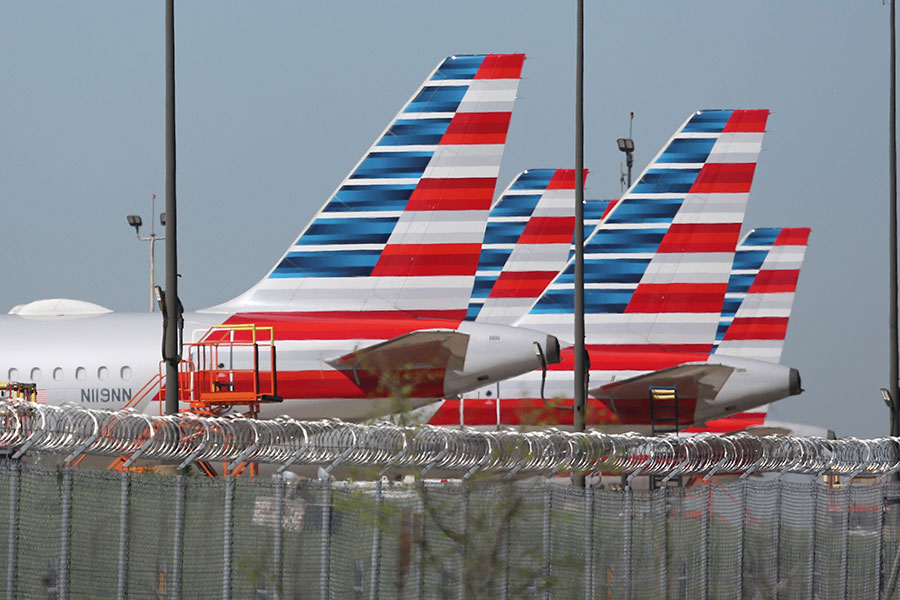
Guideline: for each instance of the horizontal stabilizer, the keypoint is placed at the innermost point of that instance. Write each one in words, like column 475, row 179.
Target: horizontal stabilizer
column 429, row 349
column 698, row 380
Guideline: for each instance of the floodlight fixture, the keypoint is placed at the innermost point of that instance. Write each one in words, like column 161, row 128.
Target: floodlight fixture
column 136, row 222
column 886, row 396
column 160, row 296
column 626, row 145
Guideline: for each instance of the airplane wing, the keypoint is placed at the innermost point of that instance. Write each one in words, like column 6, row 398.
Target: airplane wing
column 425, row 349
column 692, row 380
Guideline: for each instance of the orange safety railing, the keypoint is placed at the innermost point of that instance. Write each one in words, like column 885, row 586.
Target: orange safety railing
column 231, row 365
column 154, row 386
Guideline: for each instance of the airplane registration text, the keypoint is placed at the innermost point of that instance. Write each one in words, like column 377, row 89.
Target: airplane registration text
column 105, row 395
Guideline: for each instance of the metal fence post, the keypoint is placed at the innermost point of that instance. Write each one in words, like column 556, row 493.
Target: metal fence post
column 664, row 567
column 778, row 534
column 892, row 581
column 420, row 533
column 376, row 541
column 810, row 573
column 226, row 538
column 704, row 540
column 179, row 535
column 464, row 516
column 13, row 530
column 742, row 532
column 845, row 536
column 878, row 539
column 64, row 534
column 507, row 533
column 279, row 523
column 326, row 541
column 626, row 558
column 548, row 499
column 589, row 543
column 123, row 535
column 504, row 587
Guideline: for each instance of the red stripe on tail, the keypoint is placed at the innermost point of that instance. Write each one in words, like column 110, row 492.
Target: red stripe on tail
column 724, row 178
column 477, row 128
column 750, row 121
column 521, row 284
column 700, row 237
column 471, row 193
column 757, row 328
column 564, row 179
column 337, row 325
column 677, row 298
column 775, row 281
column 501, row 66
column 792, row 236
column 422, row 260
column 548, row 230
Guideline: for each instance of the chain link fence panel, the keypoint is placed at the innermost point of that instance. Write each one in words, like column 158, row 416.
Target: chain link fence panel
column 78, row 533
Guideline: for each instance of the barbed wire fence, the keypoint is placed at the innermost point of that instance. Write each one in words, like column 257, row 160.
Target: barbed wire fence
column 74, row 532
column 185, row 438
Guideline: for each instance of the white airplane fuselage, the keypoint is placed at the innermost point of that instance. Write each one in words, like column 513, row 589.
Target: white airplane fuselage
column 93, row 360
column 105, row 360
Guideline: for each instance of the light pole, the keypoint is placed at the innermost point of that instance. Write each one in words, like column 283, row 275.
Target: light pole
column 626, row 145
column 581, row 367
column 172, row 319
column 136, row 222
column 894, row 389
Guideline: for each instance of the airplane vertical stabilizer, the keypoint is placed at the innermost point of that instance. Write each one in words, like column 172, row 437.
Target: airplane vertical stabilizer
column 527, row 242
column 757, row 307
column 539, row 254
column 403, row 231
column 657, row 268
column 761, row 293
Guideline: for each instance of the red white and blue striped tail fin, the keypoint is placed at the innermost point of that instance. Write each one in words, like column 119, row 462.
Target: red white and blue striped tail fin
column 506, row 224
column 755, row 316
column 527, row 241
column 761, row 292
column 657, row 267
column 594, row 213
column 403, row 231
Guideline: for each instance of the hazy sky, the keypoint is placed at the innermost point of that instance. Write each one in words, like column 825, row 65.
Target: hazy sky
column 276, row 101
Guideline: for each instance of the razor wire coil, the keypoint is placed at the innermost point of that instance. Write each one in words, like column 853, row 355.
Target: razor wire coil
column 284, row 441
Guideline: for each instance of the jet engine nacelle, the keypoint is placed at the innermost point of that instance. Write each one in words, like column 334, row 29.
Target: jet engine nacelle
column 752, row 383
column 498, row 352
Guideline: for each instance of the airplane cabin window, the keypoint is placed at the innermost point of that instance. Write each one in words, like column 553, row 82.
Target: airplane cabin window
column 57, row 374
column 102, row 373
column 13, row 374
column 36, row 374
column 80, row 373
column 125, row 373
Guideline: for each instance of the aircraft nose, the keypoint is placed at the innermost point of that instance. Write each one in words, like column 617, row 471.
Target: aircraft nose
column 795, row 386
